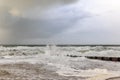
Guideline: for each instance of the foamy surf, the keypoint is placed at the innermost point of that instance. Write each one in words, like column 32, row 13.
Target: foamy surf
column 55, row 59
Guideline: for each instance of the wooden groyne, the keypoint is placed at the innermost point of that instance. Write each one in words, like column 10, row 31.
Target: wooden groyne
column 115, row 59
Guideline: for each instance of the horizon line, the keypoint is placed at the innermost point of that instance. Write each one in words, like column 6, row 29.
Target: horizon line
column 60, row 44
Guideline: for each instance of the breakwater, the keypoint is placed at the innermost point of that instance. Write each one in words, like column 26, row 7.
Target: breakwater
column 115, row 59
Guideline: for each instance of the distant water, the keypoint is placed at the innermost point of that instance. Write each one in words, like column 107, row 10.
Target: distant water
column 113, row 51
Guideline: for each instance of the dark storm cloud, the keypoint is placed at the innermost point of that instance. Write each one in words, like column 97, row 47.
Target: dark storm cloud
column 15, row 19
column 23, row 28
column 27, row 4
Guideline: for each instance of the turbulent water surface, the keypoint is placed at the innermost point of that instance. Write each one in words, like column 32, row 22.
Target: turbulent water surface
column 52, row 62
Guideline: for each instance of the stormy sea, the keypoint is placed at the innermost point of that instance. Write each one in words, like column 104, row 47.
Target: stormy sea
column 53, row 62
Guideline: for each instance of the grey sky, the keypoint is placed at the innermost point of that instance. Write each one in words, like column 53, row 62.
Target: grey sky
column 60, row 21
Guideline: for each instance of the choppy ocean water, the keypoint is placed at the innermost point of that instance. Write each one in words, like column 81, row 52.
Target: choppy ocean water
column 55, row 58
